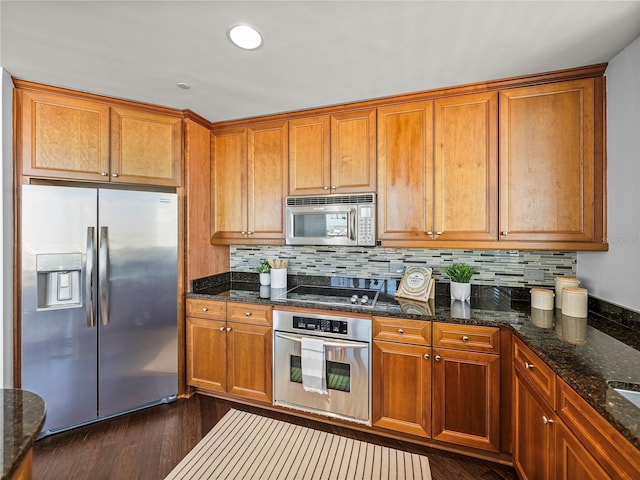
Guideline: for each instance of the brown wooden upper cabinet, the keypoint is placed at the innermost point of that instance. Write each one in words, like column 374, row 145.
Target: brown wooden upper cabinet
column 333, row 153
column 551, row 162
column 438, row 170
column 76, row 138
column 249, row 178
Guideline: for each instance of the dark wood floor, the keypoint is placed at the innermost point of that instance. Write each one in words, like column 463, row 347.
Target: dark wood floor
column 147, row 445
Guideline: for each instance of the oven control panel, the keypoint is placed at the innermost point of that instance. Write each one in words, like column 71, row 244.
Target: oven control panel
column 320, row 324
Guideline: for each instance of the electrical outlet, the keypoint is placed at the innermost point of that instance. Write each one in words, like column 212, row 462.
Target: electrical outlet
column 533, row 274
column 254, row 262
column 396, row 268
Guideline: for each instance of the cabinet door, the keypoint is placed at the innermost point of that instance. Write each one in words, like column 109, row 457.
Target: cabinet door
column 62, row 137
column 146, row 147
column 405, row 173
column 547, row 167
column 466, row 398
column 573, row 460
column 229, row 185
column 402, row 387
column 249, row 361
column 309, row 156
column 206, row 354
column 534, row 438
column 267, row 182
column 353, row 151
column 466, row 167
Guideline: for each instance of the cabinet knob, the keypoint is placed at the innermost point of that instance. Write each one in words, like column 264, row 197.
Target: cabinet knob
column 438, row 233
column 529, row 366
column 247, row 314
column 205, row 309
column 504, row 234
column 400, row 331
column 228, row 329
column 104, row 174
column 426, row 356
column 333, row 187
column 325, row 188
column 249, row 233
column 222, row 329
column 465, row 338
column 114, row 175
column 243, row 233
column 429, row 232
column 546, row 420
column 438, row 358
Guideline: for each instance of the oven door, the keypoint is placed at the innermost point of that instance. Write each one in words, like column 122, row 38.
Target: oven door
column 321, row 225
column 348, row 379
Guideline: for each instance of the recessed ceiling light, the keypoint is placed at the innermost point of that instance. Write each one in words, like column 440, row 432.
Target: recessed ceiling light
column 184, row 86
column 245, row 36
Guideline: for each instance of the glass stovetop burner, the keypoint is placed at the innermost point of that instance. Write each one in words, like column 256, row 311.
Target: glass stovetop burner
column 332, row 295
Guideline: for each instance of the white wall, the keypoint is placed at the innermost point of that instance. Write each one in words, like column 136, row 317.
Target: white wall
column 614, row 276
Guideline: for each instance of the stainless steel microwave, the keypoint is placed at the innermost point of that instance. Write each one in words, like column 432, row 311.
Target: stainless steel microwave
column 331, row 220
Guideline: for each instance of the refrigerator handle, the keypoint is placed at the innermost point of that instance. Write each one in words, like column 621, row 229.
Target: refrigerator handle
column 104, row 275
column 88, row 285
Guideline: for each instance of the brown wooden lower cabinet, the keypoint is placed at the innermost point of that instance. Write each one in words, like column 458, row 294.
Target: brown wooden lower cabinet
column 249, row 361
column 573, row 460
column 206, row 354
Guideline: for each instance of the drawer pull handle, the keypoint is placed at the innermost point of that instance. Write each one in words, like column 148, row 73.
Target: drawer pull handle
column 400, row 331
column 426, row 356
column 228, row 329
column 247, row 314
column 205, row 309
column 465, row 338
column 529, row 366
column 438, row 358
column 546, row 420
column 222, row 329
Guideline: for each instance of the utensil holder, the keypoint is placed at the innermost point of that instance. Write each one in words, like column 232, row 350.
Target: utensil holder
column 278, row 278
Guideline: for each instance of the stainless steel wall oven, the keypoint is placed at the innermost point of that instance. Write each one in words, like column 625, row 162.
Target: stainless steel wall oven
column 347, row 358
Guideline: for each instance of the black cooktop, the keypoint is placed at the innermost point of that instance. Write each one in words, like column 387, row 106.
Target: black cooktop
column 332, row 295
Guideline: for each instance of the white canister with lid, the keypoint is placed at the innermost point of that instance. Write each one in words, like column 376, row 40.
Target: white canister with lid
column 574, row 301
column 542, row 298
column 564, row 282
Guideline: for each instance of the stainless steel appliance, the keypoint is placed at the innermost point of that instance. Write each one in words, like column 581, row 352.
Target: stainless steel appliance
column 347, row 345
column 99, row 300
column 331, row 220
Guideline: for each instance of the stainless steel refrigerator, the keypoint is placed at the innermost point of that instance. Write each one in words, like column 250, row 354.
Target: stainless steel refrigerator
column 99, row 300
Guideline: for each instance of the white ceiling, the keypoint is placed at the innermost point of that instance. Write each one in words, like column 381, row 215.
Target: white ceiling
column 314, row 54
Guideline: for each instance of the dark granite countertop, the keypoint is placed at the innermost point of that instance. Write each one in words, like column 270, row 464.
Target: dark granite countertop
column 22, row 418
column 592, row 355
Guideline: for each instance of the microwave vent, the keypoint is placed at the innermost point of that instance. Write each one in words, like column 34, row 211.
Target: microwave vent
column 331, row 200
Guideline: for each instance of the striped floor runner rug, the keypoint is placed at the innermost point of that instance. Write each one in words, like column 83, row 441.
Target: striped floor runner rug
column 246, row 446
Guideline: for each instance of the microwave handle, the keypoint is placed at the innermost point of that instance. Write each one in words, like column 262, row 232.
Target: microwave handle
column 354, row 218
column 298, row 338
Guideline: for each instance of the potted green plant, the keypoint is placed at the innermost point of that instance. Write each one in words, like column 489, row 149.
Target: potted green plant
column 460, row 276
column 264, row 269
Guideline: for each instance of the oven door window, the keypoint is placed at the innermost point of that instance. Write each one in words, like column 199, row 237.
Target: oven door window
column 321, row 225
column 338, row 374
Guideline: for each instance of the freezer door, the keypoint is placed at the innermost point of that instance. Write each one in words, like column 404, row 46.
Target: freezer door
column 137, row 357
column 59, row 335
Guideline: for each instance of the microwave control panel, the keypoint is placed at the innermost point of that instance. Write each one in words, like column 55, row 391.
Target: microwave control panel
column 319, row 324
column 366, row 226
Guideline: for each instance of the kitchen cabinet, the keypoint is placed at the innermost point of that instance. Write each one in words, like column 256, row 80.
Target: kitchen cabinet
column 229, row 348
column 77, row 138
column 333, row 153
column 441, row 158
column 552, row 163
column 249, row 177
column 466, row 385
column 402, row 376
column 573, row 460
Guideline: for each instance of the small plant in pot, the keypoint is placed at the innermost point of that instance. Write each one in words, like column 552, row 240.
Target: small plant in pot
column 460, row 276
column 264, row 269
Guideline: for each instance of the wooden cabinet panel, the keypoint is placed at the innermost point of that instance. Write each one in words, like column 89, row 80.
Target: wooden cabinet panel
column 229, row 185
column 249, row 313
column 402, row 387
column 573, row 461
column 206, row 309
column 547, row 162
column 466, row 167
column 466, row 337
column 249, row 361
column 535, row 371
column 466, row 398
column 62, row 137
column 309, row 155
column 405, row 172
column 534, row 440
column 417, row 332
column 206, row 354
column 146, row 147
column 353, row 151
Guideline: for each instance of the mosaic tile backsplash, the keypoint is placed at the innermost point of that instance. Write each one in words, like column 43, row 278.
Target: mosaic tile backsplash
column 495, row 267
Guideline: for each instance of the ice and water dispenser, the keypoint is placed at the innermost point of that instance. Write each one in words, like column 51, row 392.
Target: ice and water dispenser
column 59, row 277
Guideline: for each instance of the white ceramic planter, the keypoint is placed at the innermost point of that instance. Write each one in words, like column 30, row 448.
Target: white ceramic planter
column 265, row 279
column 460, row 291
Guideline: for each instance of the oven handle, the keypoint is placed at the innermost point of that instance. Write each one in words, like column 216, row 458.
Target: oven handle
column 298, row 338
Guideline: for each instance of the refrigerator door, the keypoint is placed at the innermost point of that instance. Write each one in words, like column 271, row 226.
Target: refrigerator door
column 59, row 334
column 137, row 295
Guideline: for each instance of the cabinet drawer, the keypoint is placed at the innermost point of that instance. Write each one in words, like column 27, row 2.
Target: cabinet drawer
column 248, row 313
column 466, row 337
column 535, row 371
column 416, row 332
column 206, row 309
